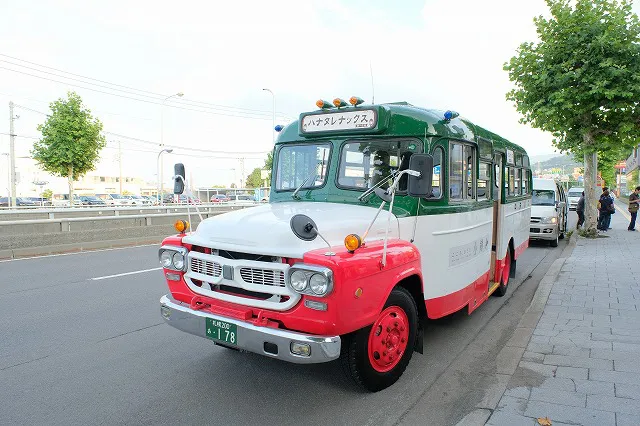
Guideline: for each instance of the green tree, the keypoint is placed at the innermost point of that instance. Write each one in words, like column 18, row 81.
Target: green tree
column 268, row 165
column 47, row 193
column 71, row 140
column 581, row 81
column 254, row 179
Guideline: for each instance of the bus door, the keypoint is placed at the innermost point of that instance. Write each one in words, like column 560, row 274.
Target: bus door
column 496, row 191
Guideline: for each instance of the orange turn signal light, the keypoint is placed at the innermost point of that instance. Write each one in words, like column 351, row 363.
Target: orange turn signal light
column 322, row 104
column 352, row 242
column 355, row 101
column 337, row 102
column 181, row 226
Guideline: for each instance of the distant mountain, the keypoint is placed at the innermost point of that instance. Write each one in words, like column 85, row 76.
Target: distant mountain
column 543, row 157
column 558, row 161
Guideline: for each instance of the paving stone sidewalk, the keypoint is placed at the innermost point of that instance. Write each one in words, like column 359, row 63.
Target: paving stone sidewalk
column 581, row 365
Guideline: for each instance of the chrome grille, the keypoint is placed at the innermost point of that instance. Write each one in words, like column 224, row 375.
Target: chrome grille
column 535, row 220
column 213, row 269
column 262, row 276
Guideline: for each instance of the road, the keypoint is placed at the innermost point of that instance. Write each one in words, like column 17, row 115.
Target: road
column 81, row 350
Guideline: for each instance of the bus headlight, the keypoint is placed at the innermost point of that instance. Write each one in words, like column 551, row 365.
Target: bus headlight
column 172, row 257
column 298, row 281
column 166, row 259
column 319, row 284
column 310, row 279
column 178, row 260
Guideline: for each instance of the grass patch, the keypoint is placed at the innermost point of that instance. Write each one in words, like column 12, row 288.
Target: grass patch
column 588, row 233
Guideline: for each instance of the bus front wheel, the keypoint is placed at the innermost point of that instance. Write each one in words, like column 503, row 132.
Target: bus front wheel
column 376, row 356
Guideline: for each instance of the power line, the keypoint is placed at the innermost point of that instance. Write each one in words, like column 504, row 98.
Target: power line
column 137, row 99
column 145, row 93
column 180, row 147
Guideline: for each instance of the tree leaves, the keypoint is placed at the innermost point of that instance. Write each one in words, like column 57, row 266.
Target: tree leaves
column 71, row 138
column 581, row 80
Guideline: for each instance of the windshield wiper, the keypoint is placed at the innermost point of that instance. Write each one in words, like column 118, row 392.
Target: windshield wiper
column 382, row 181
column 295, row 193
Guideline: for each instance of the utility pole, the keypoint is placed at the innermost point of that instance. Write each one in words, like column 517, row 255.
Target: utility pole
column 12, row 155
column 120, row 163
column 242, row 185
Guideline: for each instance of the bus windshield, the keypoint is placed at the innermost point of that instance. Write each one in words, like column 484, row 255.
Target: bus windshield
column 543, row 197
column 304, row 165
column 364, row 164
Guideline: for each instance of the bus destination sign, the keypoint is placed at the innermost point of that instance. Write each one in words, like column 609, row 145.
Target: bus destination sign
column 336, row 121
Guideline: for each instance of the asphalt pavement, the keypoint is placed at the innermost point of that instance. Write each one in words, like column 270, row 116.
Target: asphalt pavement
column 83, row 343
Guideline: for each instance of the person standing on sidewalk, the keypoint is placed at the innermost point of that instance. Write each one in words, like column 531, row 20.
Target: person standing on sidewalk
column 606, row 208
column 634, row 200
column 580, row 211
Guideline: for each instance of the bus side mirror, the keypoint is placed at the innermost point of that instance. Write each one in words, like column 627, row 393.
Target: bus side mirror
column 421, row 186
column 178, row 178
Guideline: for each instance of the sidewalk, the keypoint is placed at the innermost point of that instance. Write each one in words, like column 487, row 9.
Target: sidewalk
column 581, row 364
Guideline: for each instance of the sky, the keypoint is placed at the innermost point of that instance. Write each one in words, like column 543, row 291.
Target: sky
column 221, row 55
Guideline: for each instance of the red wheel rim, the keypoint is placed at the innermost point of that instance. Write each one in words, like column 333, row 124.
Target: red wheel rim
column 388, row 339
column 507, row 268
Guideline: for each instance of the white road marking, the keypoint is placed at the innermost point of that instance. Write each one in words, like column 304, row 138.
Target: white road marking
column 623, row 213
column 77, row 252
column 123, row 274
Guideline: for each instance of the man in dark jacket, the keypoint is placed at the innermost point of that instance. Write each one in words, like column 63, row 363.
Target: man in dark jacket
column 634, row 199
column 606, row 209
column 580, row 210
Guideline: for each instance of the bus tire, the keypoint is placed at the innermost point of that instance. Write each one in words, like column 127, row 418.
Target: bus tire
column 504, row 279
column 376, row 356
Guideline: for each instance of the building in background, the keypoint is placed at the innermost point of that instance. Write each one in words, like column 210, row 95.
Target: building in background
column 94, row 182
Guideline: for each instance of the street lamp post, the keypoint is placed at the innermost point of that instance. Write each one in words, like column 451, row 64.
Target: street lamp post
column 273, row 124
column 169, row 151
column 161, row 168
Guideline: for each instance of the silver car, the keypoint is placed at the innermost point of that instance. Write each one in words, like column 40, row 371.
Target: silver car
column 573, row 196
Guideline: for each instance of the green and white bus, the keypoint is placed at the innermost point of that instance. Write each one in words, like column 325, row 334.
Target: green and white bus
column 379, row 217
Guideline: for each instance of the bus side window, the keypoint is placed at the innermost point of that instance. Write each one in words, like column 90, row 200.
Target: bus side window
column 455, row 172
column 484, row 179
column 469, row 172
column 436, row 180
column 512, row 178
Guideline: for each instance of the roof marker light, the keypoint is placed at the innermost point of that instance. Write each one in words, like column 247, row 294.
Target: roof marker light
column 323, row 104
column 337, row 102
column 355, row 101
column 450, row 115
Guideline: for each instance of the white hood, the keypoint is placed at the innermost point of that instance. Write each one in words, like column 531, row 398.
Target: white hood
column 543, row 211
column 266, row 229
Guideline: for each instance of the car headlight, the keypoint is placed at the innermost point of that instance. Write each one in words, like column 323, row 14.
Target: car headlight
column 310, row 279
column 178, row 260
column 166, row 259
column 549, row 220
column 298, row 280
column 319, row 284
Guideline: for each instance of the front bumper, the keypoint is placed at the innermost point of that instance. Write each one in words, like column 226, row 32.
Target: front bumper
column 271, row 342
column 540, row 231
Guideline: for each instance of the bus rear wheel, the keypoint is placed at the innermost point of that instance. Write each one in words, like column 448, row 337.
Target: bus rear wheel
column 376, row 356
column 504, row 279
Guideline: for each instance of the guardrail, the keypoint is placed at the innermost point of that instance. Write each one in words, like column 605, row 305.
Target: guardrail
column 112, row 228
column 87, row 211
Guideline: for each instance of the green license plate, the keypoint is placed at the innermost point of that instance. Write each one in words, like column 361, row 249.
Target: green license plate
column 222, row 331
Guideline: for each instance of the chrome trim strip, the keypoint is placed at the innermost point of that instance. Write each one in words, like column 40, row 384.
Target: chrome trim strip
column 252, row 338
column 466, row 228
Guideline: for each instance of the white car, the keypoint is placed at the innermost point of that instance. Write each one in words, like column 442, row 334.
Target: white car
column 573, row 196
column 548, row 211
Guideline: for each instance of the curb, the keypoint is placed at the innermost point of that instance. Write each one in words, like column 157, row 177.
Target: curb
column 510, row 355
